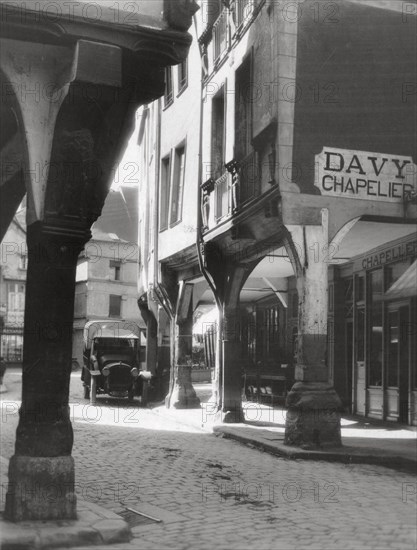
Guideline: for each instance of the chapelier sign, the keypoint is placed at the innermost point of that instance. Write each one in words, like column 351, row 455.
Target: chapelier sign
column 365, row 176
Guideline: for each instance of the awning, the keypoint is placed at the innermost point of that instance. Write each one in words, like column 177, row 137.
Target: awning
column 405, row 286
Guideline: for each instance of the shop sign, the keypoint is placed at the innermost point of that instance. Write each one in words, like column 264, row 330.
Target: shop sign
column 389, row 255
column 365, row 176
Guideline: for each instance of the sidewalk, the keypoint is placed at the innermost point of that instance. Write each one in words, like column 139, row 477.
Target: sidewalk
column 95, row 525
column 365, row 441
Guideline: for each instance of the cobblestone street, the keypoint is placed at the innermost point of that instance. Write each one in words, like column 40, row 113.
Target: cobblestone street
column 211, row 492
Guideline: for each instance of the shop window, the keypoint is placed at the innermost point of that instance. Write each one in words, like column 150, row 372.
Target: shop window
column 12, row 347
column 115, row 305
column 394, row 272
column 360, row 335
column 348, row 293
column 360, row 288
column 376, row 348
column 115, row 270
column 393, row 349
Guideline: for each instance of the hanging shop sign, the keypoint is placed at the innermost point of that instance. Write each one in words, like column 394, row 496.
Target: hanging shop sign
column 365, row 176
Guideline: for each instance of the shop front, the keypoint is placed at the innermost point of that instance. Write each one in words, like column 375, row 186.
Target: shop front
column 379, row 313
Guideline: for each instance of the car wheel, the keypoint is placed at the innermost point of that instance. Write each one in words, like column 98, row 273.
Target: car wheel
column 131, row 395
column 86, row 392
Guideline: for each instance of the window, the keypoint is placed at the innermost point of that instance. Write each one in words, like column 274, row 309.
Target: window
column 164, row 192
column 115, row 270
column 182, row 75
column 169, row 93
column 217, row 135
column 243, row 120
column 115, row 305
column 244, row 10
column 220, row 36
column 177, row 185
column 211, row 11
column 16, row 297
column 393, row 349
column 23, row 262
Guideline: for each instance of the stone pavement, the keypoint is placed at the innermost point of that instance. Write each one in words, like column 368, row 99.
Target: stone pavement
column 212, row 492
column 94, row 525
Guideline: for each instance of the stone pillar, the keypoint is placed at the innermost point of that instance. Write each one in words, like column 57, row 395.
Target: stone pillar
column 231, row 409
column 182, row 393
column 313, row 416
column 41, row 472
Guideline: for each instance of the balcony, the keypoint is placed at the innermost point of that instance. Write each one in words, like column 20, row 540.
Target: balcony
column 220, row 36
column 226, row 195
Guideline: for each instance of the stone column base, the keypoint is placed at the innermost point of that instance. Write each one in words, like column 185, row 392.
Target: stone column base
column 183, row 394
column 41, row 488
column 313, row 416
column 235, row 416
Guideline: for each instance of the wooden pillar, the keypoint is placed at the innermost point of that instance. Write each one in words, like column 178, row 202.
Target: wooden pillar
column 151, row 334
column 313, row 416
column 182, row 394
column 41, row 472
column 231, row 390
column 231, row 409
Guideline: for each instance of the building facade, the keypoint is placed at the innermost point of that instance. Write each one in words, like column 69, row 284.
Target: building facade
column 106, row 284
column 13, row 266
column 285, row 163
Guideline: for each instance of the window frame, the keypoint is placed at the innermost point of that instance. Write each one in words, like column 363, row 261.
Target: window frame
column 165, row 191
column 169, row 88
column 177, row 185
column 182, row 74
column 111, row 315
column 117, row 267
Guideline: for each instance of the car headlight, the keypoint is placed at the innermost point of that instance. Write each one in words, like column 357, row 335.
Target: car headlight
column 134, row 372
column 105, row 371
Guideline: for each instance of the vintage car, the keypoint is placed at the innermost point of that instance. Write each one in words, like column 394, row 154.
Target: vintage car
column 113, row 359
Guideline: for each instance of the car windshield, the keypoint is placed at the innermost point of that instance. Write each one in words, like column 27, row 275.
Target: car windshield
column 114, row 345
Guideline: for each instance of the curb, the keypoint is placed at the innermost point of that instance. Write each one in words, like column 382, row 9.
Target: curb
column 346, row 455
column 95, row 526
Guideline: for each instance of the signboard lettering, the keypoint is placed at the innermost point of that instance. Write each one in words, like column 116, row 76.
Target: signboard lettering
column 366, row 176
column 394, row 254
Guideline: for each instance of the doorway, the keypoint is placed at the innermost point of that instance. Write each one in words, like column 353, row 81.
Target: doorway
column 397, row 362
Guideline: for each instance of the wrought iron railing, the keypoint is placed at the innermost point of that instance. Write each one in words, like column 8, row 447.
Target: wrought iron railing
column 220, row 35
column 238, row 185
column 244, row 11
